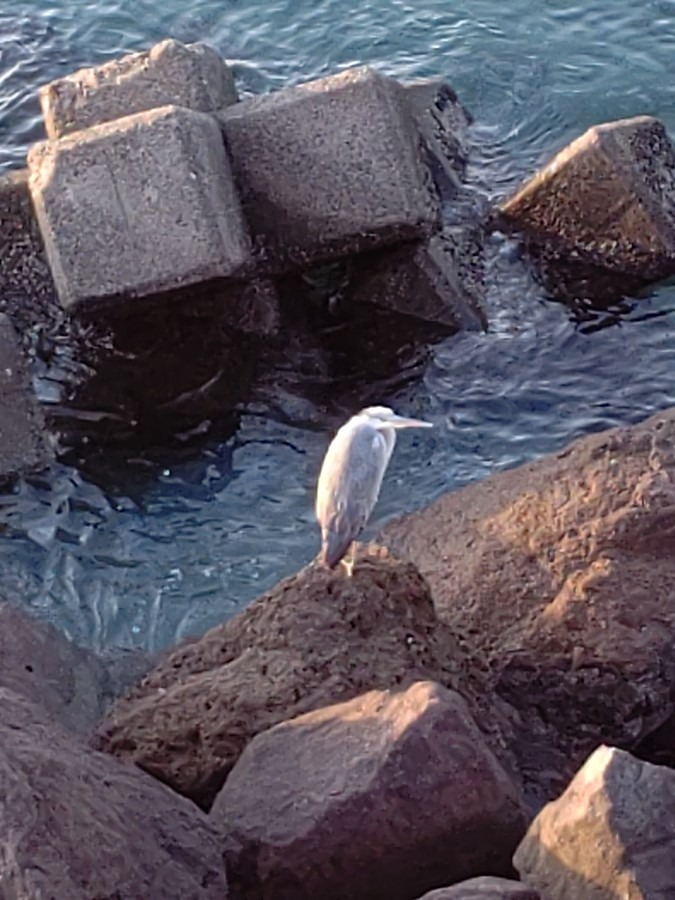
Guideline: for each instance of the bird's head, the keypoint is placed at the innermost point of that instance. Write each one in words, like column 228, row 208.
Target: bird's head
column 383, row 417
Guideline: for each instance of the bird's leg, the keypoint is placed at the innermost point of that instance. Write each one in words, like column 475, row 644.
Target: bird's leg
column 349, row 559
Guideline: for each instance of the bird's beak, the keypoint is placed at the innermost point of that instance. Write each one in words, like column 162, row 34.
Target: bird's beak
column 402, row 422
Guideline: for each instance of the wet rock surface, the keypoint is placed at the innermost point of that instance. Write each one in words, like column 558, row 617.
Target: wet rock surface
column 193, row 76
column 23, row 443
column 611, row 834
column 560, row 573
column 485, row 887
column 606, row 201
column 77, row 824
column 316, row 639
column 379, row 797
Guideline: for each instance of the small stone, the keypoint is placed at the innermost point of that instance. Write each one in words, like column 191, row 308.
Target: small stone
column 611, row 834
column 139, row 205
column 608, row 200
column 329, row 168
column 171, row 73
column 378, row 798
column 23, row 441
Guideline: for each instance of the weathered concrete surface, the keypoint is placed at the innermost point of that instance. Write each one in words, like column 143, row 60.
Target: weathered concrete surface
column 138, row 205
column 27, row 289
column 608, row 199
column 41, row 664
column 610, row 835
column 485, row 887
column 170, row 73
column 317, row 638
column 23, row 442
column 364, row 800
column 561, row 575
column 330, row 168
column 77, row 824
column 433, row 281
column 443, row 124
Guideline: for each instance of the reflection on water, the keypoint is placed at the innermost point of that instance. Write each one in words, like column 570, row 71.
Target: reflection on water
column 183, row 493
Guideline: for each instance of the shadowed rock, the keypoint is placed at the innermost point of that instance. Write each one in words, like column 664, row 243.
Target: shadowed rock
column 193, row 76
column 77, row 824
column 561, row 574
column 315, row 639
column 605, row 202
column 23, row 442
column 379, row 797
column 486, row 887
column 40, row 663
column 329, row 168
column 610, row 835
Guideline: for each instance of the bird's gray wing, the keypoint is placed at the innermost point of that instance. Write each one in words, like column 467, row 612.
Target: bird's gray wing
column 348, row 488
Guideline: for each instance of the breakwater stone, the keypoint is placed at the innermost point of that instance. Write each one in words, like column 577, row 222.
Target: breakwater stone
column 139, row 205
column 330, row 168
column 194, row 76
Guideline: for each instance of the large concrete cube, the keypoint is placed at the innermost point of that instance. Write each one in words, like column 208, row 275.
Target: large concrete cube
column 192, row 75
column 139, row 205
column 329, row 168
column 607, row 199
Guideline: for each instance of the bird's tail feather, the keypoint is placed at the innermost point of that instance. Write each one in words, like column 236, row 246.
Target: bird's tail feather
column 333, row 548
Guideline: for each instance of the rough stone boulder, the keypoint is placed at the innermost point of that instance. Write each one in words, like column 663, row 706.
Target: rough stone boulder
column 23, row 440
column 330, row 168
column 486, row 887
column 561, row 575
column 610, row 835
column 78, row 825
column 41, row 664
column 192, row 75
column 139, row 205
column 608, row 200
column 383, row 796
column 317, row 638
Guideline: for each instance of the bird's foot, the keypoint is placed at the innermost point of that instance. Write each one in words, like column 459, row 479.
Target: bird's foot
column 348, row 561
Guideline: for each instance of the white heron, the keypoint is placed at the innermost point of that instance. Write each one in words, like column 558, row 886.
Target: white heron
column 351, row 477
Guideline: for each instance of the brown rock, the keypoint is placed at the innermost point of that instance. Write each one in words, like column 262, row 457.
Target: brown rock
column 317, row 638
column 78, row 825
column 383, row 796
column 606, row 200
column 610, row 835
column 561, row 574
column 41, row 664
column 486, row 887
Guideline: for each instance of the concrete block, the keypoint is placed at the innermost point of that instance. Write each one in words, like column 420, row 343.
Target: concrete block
column 437, row 281
column 137, row 206
column 194, row 76
column 23, row 445
column 443, row 124
column 27, row 289
column 607, row 199
column 329, row 168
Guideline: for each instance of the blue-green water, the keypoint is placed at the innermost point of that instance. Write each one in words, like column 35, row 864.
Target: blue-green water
column 207, row 535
